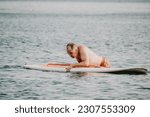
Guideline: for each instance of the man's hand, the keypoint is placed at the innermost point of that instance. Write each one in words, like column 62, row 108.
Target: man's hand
column 68, row 68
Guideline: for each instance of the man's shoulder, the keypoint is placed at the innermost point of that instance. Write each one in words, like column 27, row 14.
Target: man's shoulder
column 82, row 46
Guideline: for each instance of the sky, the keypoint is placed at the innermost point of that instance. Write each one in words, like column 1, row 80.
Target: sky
column 87, row 0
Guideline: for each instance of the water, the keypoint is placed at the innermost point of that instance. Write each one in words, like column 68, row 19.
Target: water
column 37, row 32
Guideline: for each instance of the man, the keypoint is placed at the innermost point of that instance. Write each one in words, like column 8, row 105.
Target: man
column 85, row 57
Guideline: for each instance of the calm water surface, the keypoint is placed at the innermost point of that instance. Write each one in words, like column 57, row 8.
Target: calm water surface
column 37, row 32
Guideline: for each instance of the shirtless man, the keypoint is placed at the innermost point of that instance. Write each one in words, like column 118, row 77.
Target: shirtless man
column 85, row 57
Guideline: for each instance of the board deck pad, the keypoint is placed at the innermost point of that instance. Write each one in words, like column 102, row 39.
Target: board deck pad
column 61, row 68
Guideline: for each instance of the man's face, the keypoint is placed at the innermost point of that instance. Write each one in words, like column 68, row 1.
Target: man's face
column 72, row 52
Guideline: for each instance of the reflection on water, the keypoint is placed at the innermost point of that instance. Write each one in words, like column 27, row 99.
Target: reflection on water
column 79, row 75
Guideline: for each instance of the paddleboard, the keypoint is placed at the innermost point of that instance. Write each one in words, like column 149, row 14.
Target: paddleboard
column 61, row 68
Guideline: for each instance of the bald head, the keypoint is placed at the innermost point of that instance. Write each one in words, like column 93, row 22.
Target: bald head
column 72, row 49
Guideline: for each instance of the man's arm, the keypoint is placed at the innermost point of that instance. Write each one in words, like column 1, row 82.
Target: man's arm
column 84, row 59
column 81, row 64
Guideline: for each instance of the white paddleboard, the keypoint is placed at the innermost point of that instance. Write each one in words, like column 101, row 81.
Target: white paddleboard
column 61, row 68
